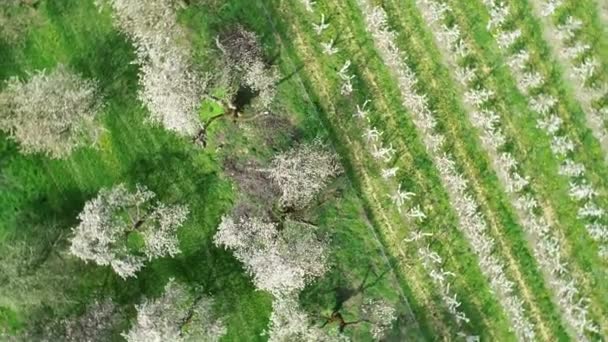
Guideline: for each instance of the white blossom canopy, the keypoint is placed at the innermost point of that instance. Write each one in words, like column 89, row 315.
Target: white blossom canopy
column 170, row 87
column 52, row 112
column 280, row 261
column 302, row 172
column 288, row 323
column 245, row 59
column 177, row 316
column 116, row 217
column 95, row 324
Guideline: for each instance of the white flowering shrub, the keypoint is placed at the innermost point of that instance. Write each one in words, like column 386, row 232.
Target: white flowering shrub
column 52, row 113
column 177, row 316
column 380, row 315
column 117, row 215
column 288, row 323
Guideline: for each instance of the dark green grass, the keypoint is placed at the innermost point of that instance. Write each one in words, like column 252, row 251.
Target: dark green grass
column 36, row 190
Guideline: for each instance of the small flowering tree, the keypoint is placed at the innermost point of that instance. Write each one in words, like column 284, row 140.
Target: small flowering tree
column 122, row 229
column 302, row 172
column 53, row 112
column 380, row 315
column 177, row 316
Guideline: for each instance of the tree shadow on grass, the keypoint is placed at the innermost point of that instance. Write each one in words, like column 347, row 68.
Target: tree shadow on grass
column 8, row 63
column 45, row 224
column 175, row 176
column 109, row 61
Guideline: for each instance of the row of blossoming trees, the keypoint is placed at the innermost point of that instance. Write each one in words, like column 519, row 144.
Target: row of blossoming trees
column 580, row 58
column 404, row 201
column 472, row 223
column 583, row 66
column 485, row 113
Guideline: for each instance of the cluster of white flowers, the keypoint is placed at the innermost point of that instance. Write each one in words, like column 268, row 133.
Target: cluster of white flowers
column 170, row 88
column 53, row 112
column 329, row 47
column 308, row 5
column 281, row 262
column 108, row 220
column 581, row 66
column 347, row 86
column 380, row 314
column 302, row 172
column 177, row 316
column 472, row 222
column 289, row 322
column 547, row 247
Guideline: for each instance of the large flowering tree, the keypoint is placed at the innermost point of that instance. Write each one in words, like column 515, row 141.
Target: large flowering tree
column 280, row 261
column 171, row 88
column 123, row 229
column 52, row 112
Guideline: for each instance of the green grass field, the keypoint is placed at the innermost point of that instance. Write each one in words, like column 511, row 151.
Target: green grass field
column 40, row 198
